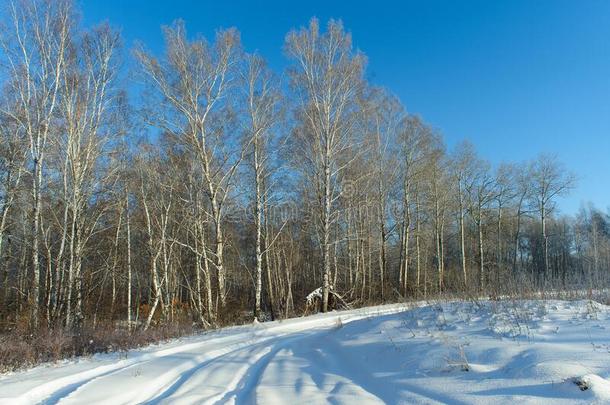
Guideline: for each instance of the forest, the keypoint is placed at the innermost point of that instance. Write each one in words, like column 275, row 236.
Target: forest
column 200, row 188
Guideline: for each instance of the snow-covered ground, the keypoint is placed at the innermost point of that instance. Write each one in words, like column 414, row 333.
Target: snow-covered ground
column 508, row 352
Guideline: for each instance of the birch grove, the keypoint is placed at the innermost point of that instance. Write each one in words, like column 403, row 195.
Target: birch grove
column 197, row 186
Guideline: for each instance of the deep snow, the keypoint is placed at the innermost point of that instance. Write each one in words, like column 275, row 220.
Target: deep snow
column 454, row 352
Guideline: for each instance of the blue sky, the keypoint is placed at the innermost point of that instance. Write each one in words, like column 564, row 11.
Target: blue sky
column 515, row 77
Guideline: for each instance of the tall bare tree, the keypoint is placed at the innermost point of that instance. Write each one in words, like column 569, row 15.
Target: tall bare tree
column 387, row 116
column 481, row 192
column 13, row 154
column 263, row 113
column 463, row 161
column 549, row 180
column 85, row 96
column 195, row 80
column 327, row 77
column 36, row 47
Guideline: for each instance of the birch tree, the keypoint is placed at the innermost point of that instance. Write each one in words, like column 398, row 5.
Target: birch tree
column 463, row 160
column 414, row 140
column 387, row 118
column 263, row 100
column 195, row 81
column 85, row 96
column 326, row 75
column 36, row 48
column 13, row 154
column 549, row 180
column 481, row 192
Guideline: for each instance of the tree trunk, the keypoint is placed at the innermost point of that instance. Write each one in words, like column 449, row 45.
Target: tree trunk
column 129, row 276
column 481, row 253
column 258, row 224
column 462, row 235
column 35, row 291
column 326, row 234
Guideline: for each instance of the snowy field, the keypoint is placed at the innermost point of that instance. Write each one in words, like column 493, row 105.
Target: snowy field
column 539, row 352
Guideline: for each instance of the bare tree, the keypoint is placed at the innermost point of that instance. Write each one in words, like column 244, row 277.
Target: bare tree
column 194, row 82
column 263, row 100
column 327, row 77
column 85, row 96
column 481, row 192
column 522, row 191
column 37, row 47
column 549, row 180
column 463, row 161
column 415, row 140
column 13, row 154
column 156, row 199
column 505, row 194
column 438, row 200
column 387, row 115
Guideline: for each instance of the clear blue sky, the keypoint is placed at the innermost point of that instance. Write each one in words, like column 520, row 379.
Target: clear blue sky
column 514, row 77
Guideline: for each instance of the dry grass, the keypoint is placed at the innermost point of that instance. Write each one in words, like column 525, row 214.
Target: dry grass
column 21, row 349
